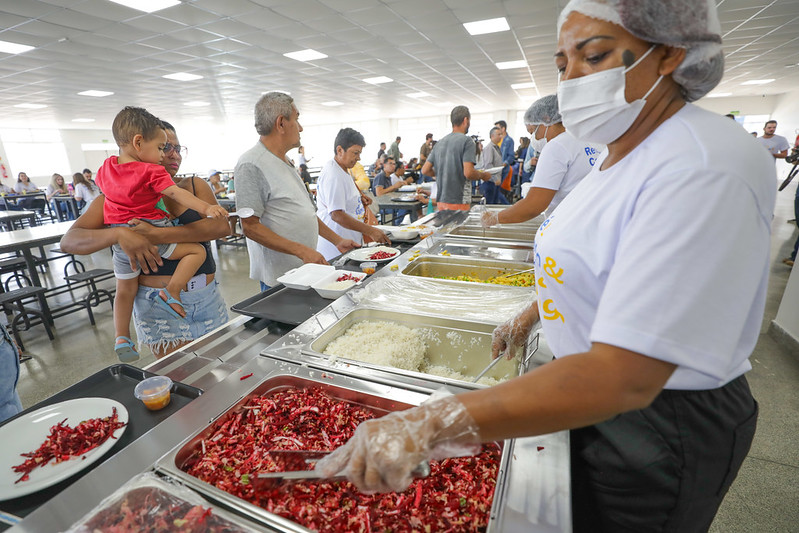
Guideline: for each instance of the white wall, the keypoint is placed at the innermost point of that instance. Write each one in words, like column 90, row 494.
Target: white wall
column 78, row 159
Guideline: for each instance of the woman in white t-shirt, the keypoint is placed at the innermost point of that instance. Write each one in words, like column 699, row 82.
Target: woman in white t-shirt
column 85, row 190
column 645, row 297
column 563, row 162
column 25, row 186
column 339, row 202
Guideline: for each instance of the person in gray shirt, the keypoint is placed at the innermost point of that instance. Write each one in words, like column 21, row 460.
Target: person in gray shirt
column 284, row 230
column 452, row 163
column 777, row 145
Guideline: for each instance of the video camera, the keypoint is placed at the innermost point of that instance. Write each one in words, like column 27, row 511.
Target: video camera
column 793, row 157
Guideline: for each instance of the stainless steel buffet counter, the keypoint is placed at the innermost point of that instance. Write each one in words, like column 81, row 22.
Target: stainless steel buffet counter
column 535, row 495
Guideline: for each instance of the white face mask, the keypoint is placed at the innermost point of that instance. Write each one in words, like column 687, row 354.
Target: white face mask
column 594, row 108
column 538, row 144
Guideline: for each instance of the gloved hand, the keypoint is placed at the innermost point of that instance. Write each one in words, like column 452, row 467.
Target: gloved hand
column 508, row 337
column 382, row 453
column 489, row 218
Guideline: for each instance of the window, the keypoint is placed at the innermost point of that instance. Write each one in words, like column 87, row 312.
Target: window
column 39, row 153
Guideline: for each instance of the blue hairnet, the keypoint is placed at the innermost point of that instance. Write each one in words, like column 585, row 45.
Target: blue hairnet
column 690, row 24
column 543, row 111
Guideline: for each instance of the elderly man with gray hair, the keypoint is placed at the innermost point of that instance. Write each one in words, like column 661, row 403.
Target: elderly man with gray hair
column 284, row 230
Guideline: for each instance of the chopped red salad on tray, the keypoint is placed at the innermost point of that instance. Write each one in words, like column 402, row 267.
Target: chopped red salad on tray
column 457, row 495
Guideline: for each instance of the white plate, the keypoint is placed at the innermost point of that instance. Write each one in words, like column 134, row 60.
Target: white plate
column 301, row 278
column 362, row 254
column 27, row 433
column 492, row 169
column 406, row 198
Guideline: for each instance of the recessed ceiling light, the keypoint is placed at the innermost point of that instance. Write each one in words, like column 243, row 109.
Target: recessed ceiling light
column 197, row 104
column 275, row 91
column 479, row 27
column 420, row 94
column 526, row 85
column 758, row 82
column 14, row 48
column 332, row 103
column 31, row 106
column 148, row 6
column 182, row 76
column 718, row 95
column 377, row 80
column 305, row 55
column 98, row 94
column 505, row 65
column 82, row 120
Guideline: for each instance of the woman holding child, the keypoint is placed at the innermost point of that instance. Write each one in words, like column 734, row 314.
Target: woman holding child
column 202, row 303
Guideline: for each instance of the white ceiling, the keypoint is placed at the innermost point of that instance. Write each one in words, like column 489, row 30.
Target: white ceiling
column 238, row 46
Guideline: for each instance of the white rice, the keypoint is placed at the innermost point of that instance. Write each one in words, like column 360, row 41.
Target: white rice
column 380, row 343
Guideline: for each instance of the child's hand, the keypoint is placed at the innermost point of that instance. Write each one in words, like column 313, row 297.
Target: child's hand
column 216, row 211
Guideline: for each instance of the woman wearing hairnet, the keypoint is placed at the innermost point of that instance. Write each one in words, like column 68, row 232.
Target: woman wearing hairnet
column 651, row 287
column 563, row 163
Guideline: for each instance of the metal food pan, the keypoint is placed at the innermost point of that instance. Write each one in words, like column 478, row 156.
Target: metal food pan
column 459, row 345
column 496, row 250
column 435, row 266
column 503, row 232
column 375, row 397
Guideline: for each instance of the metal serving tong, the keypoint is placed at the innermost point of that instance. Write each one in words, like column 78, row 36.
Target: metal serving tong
column 274, row 479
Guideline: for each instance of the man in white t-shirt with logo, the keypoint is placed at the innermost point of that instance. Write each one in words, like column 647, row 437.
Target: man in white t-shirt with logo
column 777, row 145
column 563, row 162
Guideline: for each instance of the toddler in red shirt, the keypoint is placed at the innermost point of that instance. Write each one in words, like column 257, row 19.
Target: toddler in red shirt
column 133, row 183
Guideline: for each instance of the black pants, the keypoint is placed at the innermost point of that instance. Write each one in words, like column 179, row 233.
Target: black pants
column 665, row 468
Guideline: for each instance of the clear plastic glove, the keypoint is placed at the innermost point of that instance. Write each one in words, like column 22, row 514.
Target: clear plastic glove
column 489, row 218
column 509, row 337
column 383, row 452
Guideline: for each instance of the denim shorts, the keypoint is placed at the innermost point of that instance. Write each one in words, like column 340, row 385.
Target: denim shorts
column 9, row 375
column 155, row 327
column 121, row 261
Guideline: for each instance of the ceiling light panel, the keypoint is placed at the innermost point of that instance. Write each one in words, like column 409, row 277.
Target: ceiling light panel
column 14, row 48
column 506, row 65
column 758, row 82
column 305, row 55
column 148, row 6
column 377, row 80
column 31, row 106
column 332, row 103
column 420, row 94
column 526, row 85
column 481, row 27
column 197, row 103
column 182, row 76
column 97, row 94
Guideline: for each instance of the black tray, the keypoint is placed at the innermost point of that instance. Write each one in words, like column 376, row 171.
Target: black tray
column 284, row 305
column 117, row 383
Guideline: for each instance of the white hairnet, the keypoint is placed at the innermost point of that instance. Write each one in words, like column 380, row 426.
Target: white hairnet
column 690, row 24
column 543, row 111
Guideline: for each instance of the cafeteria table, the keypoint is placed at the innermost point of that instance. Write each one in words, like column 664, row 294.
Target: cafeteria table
column 14, row 199
column 10, row 219
column 72, row 206
column 24, row 240
column 389, row 204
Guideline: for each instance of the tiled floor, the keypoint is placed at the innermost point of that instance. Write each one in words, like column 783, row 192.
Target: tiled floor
column 764, row 498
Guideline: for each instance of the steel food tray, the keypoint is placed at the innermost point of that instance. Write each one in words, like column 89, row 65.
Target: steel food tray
column 496, row 250
column 503, row 232
column 460, row 345
column 434, row 266
column 378, row 398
